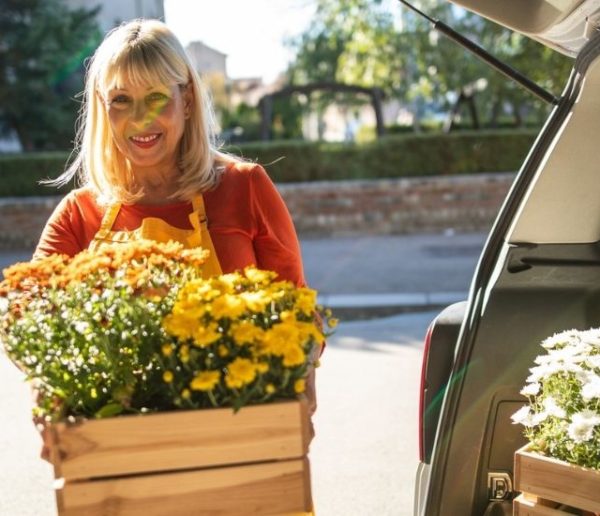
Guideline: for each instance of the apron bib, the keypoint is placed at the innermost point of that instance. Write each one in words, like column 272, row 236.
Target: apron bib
column 153, row 228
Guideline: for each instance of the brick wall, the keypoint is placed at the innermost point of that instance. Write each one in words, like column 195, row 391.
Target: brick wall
column 330, row 208
column 397, row 206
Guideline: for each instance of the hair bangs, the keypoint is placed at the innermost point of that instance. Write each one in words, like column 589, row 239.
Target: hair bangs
column 141, row 64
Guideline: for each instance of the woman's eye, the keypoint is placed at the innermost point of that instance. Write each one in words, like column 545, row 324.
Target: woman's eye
column 120, row 101
column 157, row 99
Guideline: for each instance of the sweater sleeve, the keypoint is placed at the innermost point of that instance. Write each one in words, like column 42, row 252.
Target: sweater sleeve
column 62, row 233
column 276, row 245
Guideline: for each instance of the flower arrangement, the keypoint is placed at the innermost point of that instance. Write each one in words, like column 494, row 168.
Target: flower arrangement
column 562, row 419
column 135, row 328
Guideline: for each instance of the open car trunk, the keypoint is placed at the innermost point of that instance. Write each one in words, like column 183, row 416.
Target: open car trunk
column 539, row 274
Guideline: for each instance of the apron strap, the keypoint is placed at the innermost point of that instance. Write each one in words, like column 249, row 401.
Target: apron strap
column 108, row 220
column 199, row 222
column 198, row 206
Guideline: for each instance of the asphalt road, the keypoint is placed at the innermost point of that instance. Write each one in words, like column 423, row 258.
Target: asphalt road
column 377, row 264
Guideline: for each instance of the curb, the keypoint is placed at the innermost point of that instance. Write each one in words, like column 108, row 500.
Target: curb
column 371, row 306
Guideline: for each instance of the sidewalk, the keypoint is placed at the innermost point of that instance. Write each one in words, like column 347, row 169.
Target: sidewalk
column 373, row 276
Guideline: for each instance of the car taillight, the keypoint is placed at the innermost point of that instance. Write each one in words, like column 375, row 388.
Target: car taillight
column 422, row 393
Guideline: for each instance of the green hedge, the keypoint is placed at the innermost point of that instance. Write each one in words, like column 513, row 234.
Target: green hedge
column 20, row 174
column 292, row 161
column 393, row 156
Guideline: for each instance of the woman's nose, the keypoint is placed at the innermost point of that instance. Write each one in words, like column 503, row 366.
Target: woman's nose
column 141, row 114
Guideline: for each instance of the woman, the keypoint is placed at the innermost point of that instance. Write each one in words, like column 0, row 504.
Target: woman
column 149, row 167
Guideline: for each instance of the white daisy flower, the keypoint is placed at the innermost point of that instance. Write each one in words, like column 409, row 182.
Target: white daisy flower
column 520, row 415
column 582, row 425
column 525, row 417
column 531, row 389
column 591, row 389
column 591, row 337
column 564, row 337
column 552, row 408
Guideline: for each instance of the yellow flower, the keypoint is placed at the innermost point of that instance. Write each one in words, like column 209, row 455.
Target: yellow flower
column 184, row 353
column 270, row 388
column 167, row 376
column 306, row 299
column 293, row 356
column 180, row 325
column 205, row 381
column 167, row 350
column 239, row 373
column 333, row 322
column 185, row 394
column 278, row 338
column 222, row 351
column 224, row 284
column 262, row 367
column 228, row 305
column 259, row 277
column 299, row 386
column 255, row 301
column 246, row 332
column 206, row 335
column 287, row 317
column 194, row 293
column 308, row 330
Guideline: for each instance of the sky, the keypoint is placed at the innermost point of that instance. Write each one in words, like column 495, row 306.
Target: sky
column 251, row 33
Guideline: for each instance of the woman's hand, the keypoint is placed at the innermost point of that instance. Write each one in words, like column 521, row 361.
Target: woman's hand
column 40, row 424
column 42, row 427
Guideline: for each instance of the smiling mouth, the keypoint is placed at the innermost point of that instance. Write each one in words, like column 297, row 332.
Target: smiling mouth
column 145, row 141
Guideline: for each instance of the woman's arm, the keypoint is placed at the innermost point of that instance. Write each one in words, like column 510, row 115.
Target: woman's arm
column 65, row 230
column 276, row 244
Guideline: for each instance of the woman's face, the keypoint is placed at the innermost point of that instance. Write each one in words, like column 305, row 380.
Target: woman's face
column 147, row 123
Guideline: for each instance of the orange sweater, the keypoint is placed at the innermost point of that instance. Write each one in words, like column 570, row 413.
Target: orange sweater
column 247, row 220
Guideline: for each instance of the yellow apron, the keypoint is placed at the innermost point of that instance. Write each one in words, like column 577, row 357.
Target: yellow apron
column 156, row 229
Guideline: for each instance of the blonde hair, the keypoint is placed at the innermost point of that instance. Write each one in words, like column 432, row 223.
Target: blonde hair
column 144, row 52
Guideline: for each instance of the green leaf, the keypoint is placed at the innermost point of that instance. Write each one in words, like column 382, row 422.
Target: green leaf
column 109, row 410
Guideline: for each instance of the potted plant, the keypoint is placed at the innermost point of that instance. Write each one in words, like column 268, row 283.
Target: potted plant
column 134, row 330
column 561, row 464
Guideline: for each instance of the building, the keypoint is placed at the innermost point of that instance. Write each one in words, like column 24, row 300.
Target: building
column 207, row 60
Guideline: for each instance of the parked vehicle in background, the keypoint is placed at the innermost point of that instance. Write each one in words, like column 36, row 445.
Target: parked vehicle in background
column 539, row 274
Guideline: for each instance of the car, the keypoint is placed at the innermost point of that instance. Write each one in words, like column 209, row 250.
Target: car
column 538, row 274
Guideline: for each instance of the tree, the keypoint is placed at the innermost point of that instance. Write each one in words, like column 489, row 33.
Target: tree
column 42, row 48
column 363, row 43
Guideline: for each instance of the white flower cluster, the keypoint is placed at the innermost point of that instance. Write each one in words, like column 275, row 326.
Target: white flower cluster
column 564, row 389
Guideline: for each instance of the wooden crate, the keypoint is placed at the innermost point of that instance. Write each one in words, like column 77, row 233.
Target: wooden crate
column 184, row 463
column 548, row 485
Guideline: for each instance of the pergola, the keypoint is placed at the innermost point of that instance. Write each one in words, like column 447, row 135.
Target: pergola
column 266, row 103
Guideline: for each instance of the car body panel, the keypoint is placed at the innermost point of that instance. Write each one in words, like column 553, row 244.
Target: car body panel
column 523, row 291
column 565, row 25
column 442, row 335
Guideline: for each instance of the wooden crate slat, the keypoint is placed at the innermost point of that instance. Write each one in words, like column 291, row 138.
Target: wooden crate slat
column 180, row 440
column 281, row 487
column 525, row 505
column 558, row 481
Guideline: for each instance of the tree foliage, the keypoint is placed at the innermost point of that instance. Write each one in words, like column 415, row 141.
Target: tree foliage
column 380, row 43
column 42, row 48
